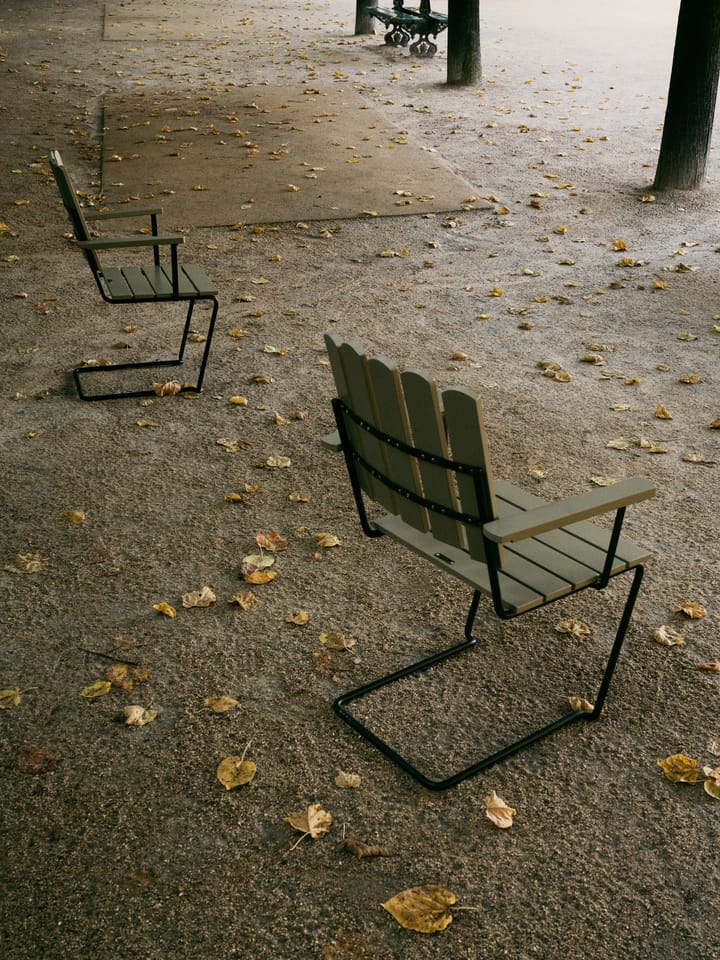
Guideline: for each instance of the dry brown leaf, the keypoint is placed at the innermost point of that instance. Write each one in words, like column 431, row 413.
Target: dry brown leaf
column 117, row 674
column 334, row 640
column 694, row 611
column 166, row 609
column 27, row 563
column 425, row 909
column 712, row 783
column 203, row 597
column 221, row 704
column 576, row 628
column 272, row 540
column 297, row 497
column 580, row 703
column 278, row 461
column 662, row 412
column 74, row 516
column 327, row 540
column 668, row 636
column 300, row 617
column 679, row 769
column 38, row 761
column 347, row 780
column 697, row 458
column 170, row 389
column 245, row 600
column 711, row 665
column 259, row 577
column 136, row 716
column 361, row 849
column 498, row 811
column 313, row 821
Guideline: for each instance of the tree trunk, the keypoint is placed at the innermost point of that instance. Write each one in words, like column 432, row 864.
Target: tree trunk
column 691, row 97
column 363, row 20
column 463, row 43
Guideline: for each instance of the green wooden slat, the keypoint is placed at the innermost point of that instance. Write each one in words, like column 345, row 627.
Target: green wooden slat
column 200, row 280
column 428, row 431
column 137, row 281
column 117, row 284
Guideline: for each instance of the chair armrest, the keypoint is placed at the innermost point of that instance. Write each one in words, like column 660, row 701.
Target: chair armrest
column 117, row 214
column 332, row 442
column 530, row 523
column 147, row 241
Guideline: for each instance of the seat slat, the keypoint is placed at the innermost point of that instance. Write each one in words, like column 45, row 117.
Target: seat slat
column 138, row 282
column 116, row 284
column 200, row 280
column 428, row 431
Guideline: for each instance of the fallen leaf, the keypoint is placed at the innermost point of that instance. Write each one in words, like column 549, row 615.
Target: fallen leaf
column 712, row 665
column 580, row 703
column 278, row 462
column 272, row 540
column 576, row 628
column 74, row 516
column 203, row 597
column 170, row 389
column 694, row 611
column 9, row 698
column 327, row 540
column 259, row 577
column 662, row 413
column 361, row 849
column 136, row 716
column 679, row 769
column 233, row 446
column 236, row 772
column 166, row 609
column 498, row 811
column 347, row 780
column 697, row 458
column 603, row 481
column 300, row 618
column 668, row 636
column 313, row 821
column 98, row 689
column 336, row 641
column 245, row 600
column 40, row 760
column 424, row 909
column 221, row 704
column 27, row 563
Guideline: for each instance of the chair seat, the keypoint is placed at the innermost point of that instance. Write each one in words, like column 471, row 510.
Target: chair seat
column 534, row 571
column 151, row 282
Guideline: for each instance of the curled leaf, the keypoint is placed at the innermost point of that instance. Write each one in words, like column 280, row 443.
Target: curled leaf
column 166, row 609
column 272, row 540
column 425, row 909
column 9, row 698
column 498, row 811
column 580, row 703
column 27, row 563
column 668, row 636
column 136, row 716
column 313, row 821
column 712, row 783
column 95, row 690
column 576, row 628
column 712, row 665
column 327, row 540
column 300, row 617
column 220, row 704
column 347, row 780
column 235, row 772
column 245, row 600
column 694, row 611
column 203, row 597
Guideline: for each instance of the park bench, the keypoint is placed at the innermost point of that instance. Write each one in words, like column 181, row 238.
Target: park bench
column 159, row 282
column 404, row 23
column 421, row 455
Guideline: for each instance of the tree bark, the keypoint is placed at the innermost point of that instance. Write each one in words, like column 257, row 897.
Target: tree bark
column 464, row 65
column 363, row 20
column 691, row 98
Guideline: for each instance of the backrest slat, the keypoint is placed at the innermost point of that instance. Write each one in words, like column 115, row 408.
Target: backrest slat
column 393, row 420
column 428, row 431
column 73, row 209
column 349, row 366
column 466, row 433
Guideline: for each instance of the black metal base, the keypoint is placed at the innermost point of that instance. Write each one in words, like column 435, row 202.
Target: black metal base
column 470, row 641
column 81, row 372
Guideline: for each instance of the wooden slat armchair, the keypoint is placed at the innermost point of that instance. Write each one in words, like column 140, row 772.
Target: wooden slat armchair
column 150, row 283
column 421, row 454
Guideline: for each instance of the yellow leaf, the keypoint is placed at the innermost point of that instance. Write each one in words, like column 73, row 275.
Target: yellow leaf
column 327, row 540
column 95, row 690
column 668, row 636
column 260, row 576
column 235, row 772
column 712, row 784
column 238, row 401
column 27, row 563
column 424, row 909
column 347, row 780
column 170, row 389
column 313, row 821
column 498, row 811
column 336, row 641
column 712, row 665
column 662, row 413
column 619, row 245
column 220, row 704
column 165, row 609
column 136, row 716
column 679, row 769
column 74, row 516
column 203, row 597
column 495, row 292
column 300, row 617
column 580, row 703
column 9, row 698
column 692, row 610
column 278, row 462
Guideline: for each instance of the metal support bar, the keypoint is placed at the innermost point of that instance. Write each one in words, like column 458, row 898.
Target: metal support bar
column 453, row 780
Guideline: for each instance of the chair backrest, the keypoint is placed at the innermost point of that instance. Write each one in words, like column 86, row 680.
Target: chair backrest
column 448, row 424
column 73, row 208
